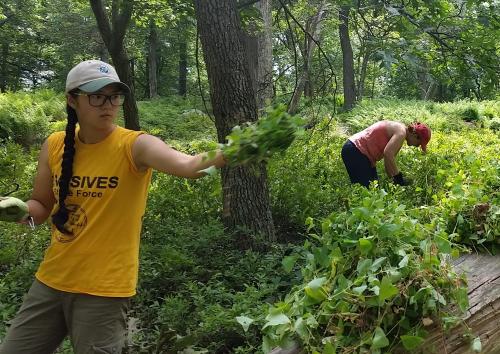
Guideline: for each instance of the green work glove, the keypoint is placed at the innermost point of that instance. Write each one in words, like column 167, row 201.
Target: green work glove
column 13, row 209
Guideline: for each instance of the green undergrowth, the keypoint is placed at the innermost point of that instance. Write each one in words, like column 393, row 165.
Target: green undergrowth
column 354, row 269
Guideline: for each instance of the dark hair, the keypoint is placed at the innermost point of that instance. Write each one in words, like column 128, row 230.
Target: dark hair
column 62, row 214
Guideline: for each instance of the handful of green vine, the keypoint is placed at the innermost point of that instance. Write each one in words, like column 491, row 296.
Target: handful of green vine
column 258, row 141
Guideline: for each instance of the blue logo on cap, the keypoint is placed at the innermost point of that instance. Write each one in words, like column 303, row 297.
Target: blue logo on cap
column 104, row 69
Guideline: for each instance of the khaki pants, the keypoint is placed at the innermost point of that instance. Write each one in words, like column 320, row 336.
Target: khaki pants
column 94, row 324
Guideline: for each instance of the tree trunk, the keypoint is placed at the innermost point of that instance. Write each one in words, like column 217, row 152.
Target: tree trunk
column 113, row 35
column 362, row 75
column 265, row 56
column 314, row 30
column 249, row 41
column 101, row 49
column 182, row 91
column 258, row 48
column 153, row 60
column 3, row 67
column 245, row 192
column 183, row 55
column 347, row 59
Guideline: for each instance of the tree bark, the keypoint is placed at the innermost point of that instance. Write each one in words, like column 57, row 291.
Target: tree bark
column 347, row 59
column 249, row 41
column 314, row 30
column 245, row 192
column 182, row 91
column 360, row 86
column 265, row 55
column 258, row 49
column 183, row 57
column 113, row 35
column 153, row 60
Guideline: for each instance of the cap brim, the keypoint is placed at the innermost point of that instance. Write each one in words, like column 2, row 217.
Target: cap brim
column 96, row 85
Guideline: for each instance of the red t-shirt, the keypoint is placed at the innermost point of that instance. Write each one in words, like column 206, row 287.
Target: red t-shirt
column 372, row 141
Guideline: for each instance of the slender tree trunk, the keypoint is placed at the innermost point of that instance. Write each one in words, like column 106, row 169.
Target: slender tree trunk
column 113, row 35
column 183, row 57
column 314, row 30
column 373, row 82
column 362, row 75
column 183, row 67
column 347, row 59
column 153, row 60
column 101, row 49
column 3, row 67
column 265, row 56
column 245, row 191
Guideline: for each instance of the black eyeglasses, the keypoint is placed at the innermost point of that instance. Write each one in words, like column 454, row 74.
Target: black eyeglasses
column 99, row 99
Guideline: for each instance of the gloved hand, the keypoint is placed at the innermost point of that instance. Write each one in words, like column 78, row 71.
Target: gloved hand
column 13, row 209
column 399, row 179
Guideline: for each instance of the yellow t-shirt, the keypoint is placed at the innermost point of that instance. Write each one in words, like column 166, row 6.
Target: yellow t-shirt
column 107, row 200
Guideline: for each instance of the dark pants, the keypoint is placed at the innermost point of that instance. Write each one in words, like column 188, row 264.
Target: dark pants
column 94, row 324
column 358, row 166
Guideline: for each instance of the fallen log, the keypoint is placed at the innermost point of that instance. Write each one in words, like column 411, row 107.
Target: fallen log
column 482, row 316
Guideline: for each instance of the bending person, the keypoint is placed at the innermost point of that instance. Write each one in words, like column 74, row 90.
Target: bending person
column 381, row 140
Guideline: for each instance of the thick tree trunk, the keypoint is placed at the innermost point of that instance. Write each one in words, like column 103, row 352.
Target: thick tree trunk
column 347, row 59
column 153, row 60
column 314, row 29
column 258, row 49
column 250, row 44
column 245, row 191
column 113, row 35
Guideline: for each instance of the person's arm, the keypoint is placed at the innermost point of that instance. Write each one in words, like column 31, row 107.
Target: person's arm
column 150, row 152
column 42, row 198
column 391, row 150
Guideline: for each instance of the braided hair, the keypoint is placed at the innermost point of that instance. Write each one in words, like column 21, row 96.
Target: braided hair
column 61, row 216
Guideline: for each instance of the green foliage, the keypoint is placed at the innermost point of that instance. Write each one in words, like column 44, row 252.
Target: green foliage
column 470, row 114
column 371, row 274
column 361, row 260
column 439, row 116
column 495, row 124
column 25, row 118
column 175, row 120
column 257, row 142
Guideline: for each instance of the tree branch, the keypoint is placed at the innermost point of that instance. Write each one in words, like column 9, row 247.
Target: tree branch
column 102, row 21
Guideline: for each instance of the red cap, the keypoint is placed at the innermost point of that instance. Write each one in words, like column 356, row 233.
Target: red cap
column 423, row 132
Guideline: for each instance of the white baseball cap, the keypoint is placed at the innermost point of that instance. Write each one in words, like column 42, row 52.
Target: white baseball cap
column 92, row 75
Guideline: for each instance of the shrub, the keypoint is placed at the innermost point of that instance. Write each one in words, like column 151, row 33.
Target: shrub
column 470, row 114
